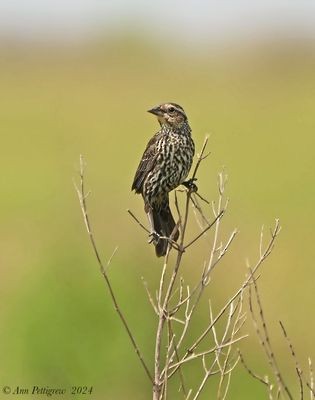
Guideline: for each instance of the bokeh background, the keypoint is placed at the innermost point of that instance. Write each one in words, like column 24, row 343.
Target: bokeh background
column 77, row 77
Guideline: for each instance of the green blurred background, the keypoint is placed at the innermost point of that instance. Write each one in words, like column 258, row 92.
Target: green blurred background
column 66, row 94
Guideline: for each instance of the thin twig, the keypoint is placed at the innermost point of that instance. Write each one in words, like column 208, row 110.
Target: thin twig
column 297, row 366
column 201, row 157
column 194, row 356
column 205, row 230
column 235, row 329
column 82, row 198
column 137, row 220
column 266, row 344
column 145, row 284
column 181, row 376
column 311, row 385
column 251, row 372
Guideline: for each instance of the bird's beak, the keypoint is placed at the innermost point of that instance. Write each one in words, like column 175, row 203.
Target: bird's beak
column 156, row 111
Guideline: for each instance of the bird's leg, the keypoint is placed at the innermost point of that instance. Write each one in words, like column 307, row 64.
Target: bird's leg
column 153, row 235
column 190, row 185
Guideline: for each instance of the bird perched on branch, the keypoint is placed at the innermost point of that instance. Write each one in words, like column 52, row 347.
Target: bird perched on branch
column 165, row 164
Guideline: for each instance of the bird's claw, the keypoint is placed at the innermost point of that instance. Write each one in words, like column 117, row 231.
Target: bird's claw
column 190, row 185
column 154, row 237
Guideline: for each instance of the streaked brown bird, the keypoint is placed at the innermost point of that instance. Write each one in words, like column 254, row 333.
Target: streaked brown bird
column 165, row 164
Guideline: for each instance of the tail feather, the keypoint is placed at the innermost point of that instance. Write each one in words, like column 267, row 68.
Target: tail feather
column 164, row 225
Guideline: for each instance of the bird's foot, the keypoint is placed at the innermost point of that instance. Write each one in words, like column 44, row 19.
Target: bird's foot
column 190, row 185
column 154, row 237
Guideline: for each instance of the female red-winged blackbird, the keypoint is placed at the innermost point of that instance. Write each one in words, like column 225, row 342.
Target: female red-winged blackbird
column 164, row 165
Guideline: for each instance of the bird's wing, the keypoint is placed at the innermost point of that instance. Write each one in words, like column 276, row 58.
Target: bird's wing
column 146, row 164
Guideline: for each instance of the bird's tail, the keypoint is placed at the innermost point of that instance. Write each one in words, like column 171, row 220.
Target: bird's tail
column 164, row 225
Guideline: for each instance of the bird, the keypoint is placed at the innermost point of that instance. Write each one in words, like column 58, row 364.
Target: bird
column 165, row 164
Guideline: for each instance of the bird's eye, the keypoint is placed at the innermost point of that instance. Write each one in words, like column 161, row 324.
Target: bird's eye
column 171, row 109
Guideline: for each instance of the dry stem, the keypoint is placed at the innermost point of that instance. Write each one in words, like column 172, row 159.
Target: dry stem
column 82, row 198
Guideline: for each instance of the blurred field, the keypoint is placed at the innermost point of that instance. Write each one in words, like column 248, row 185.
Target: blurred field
column 58, row 325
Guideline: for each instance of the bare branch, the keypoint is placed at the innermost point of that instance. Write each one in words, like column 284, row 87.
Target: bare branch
column 206, row 352
column 82, row 198
column 251, row 372
column 201, row 156
column 145, row 284
column 297, row 366
column 245, row 284
column 265, row 341
column 204, row 231
column 311, row 384
column 137, row 220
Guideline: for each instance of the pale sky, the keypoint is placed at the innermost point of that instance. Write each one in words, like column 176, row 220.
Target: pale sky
column 193, row 20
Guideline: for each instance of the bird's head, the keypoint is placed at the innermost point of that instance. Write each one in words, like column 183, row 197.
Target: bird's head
column 169, row 114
